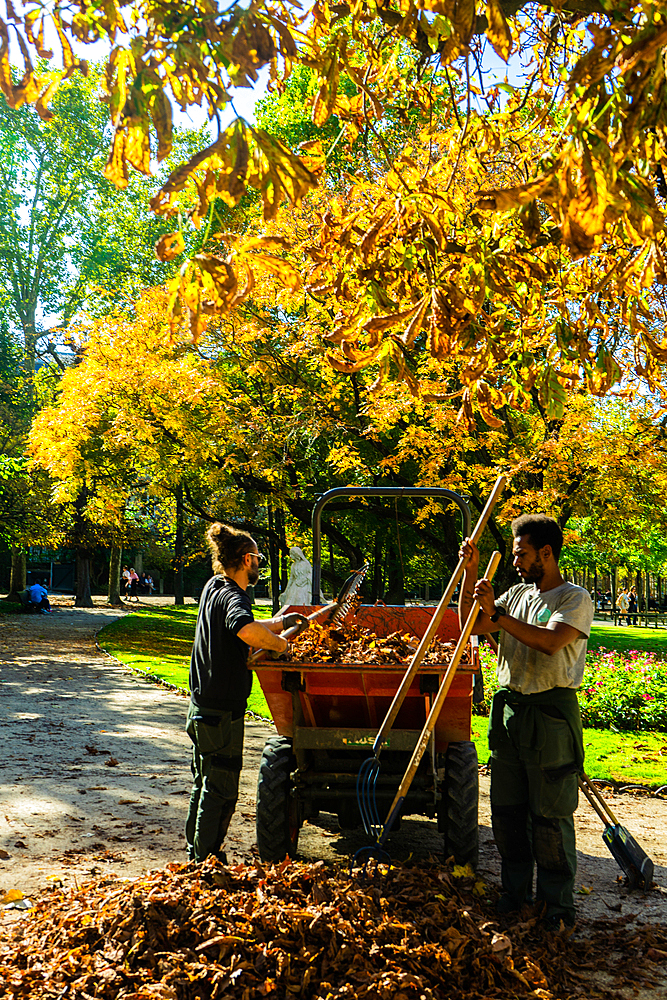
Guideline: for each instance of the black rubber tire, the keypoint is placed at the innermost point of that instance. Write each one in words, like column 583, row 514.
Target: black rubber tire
column 458, row 810
column 349, row 817
column 277, row 810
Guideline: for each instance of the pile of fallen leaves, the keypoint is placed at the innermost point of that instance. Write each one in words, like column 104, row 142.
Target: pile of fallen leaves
column 303, row 930
column 349, row 642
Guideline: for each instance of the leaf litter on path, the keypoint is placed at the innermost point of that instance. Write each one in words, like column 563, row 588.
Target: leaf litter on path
column 210, row 932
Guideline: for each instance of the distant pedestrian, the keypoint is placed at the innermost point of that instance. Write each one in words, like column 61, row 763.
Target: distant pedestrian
column 134, row 584
column 125, row 582
column 632, row 606
column 622, row 603
column 150, row 587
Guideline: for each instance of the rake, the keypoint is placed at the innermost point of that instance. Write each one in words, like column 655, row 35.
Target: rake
column 366, row 796
column 370, row 769
column 630, row 857
column 331, row 613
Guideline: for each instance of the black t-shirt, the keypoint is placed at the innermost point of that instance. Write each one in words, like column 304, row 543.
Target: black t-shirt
column 219, row 675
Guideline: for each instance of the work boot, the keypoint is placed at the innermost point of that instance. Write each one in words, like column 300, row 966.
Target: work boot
column 510, row 904
column 559, row 923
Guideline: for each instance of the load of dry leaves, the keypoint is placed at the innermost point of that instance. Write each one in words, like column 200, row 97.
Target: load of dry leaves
column 304, row 930
column 349, row 642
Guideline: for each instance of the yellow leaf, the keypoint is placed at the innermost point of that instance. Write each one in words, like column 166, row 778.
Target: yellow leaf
column 502, row 199
column 416, row 323
column 498, row 31
column 380, row 323
column 162, row 120
column 11, row 896
column 116, row 166
column 282, row 269
column 326, row 98
column 489, row 400
column 169, row 246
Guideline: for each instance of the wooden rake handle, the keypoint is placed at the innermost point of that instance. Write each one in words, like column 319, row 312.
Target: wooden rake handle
column 436, row 708
column 427, row 638
column 601, row 806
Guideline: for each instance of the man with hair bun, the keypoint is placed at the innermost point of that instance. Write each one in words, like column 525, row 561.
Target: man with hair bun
column 220, row 683
column 535, row 731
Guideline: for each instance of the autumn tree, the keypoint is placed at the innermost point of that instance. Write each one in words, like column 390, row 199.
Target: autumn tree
column 252, row 421
column 69, row 240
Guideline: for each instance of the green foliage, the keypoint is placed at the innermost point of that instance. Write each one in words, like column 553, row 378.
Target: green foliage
column 69, row 239
column 624, row 691
column 25, row 515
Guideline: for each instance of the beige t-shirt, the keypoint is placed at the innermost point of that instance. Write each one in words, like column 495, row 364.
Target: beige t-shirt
column 528, row 671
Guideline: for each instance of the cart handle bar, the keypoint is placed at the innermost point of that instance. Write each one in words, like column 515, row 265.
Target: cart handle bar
column 375, row 491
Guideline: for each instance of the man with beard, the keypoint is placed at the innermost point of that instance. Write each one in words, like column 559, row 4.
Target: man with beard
column 535, row 731
column 220, row 684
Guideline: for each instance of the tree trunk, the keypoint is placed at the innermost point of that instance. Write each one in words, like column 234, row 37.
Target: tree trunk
column 376, row 592
column 179, row 551
column 284, row 562
column 395, row 582
column 114, row 576
column 273, row 560
column 18, row 576
column 83, row 597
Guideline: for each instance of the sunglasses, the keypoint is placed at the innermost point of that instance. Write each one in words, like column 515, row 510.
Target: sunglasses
column 259, row 556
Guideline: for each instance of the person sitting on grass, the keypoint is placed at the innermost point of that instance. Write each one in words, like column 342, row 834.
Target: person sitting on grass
column 39, row 598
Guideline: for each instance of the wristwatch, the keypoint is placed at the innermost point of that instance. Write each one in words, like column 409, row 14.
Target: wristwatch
column 499, row 612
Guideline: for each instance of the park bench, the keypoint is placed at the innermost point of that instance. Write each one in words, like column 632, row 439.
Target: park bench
column 644, row 619
column 26, row 604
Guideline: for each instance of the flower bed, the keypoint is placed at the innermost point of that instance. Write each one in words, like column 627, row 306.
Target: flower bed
column 626, row 691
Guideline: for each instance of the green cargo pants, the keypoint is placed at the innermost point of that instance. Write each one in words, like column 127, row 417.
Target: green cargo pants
column 534, row 793
column 217, row 756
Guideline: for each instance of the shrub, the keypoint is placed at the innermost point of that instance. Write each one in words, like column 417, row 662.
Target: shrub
column 625, row 691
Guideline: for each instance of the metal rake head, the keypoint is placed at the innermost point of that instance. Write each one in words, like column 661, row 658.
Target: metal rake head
column 366, row 782
column 368, row 854
column 347, row 594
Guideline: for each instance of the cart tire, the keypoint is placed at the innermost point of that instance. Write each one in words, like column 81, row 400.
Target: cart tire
column 349, row 817
column 277, row 810
column 457, row 812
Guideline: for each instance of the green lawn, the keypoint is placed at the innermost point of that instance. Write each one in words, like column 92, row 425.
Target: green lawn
column 630, row 758
column 157, row 641
column 622, row 638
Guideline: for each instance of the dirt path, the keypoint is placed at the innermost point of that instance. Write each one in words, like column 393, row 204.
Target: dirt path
column 95, row 778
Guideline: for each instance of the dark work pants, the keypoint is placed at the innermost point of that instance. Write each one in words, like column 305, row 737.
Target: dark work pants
column 532, row 816
column 217, row 756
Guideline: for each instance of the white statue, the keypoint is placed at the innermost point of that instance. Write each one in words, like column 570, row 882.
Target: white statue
column 299, row 588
